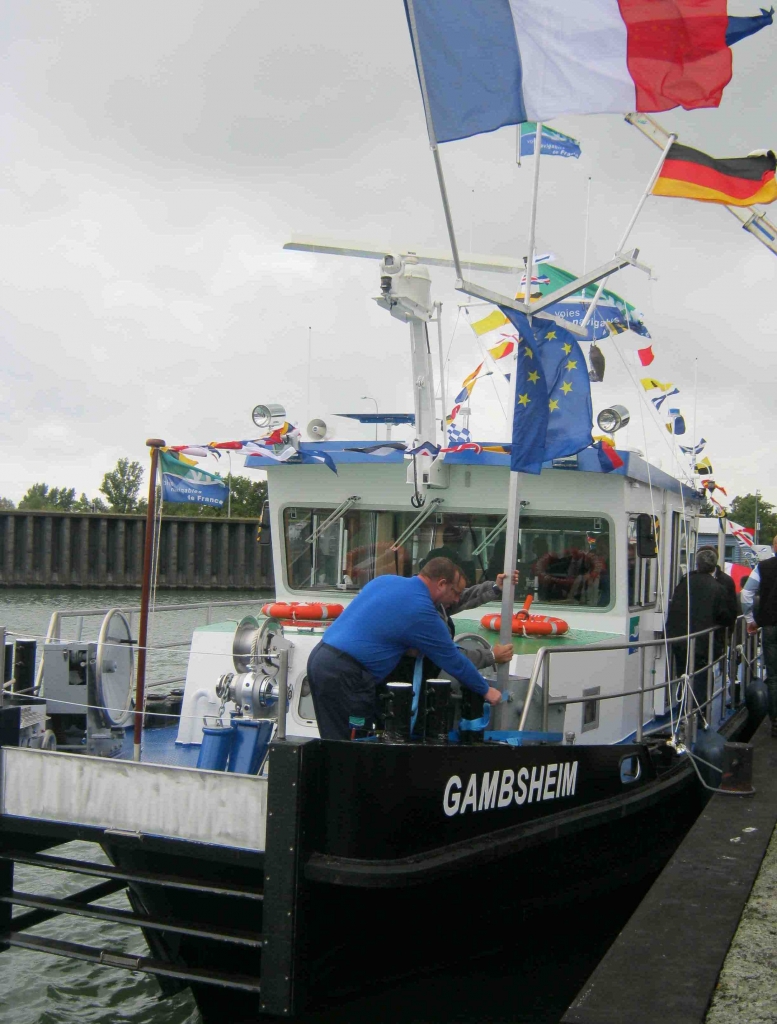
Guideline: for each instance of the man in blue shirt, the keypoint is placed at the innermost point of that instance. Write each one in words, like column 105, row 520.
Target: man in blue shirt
column 363, row 646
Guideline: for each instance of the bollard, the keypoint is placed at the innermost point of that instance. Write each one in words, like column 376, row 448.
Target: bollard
column 439, row 711
column 397, row 706
column 471, row 711
column 737, row 774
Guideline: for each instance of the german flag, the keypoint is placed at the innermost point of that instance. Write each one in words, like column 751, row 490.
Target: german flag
column 742, row 181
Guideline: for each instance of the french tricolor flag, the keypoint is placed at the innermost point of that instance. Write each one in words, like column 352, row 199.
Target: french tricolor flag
column 489, row 63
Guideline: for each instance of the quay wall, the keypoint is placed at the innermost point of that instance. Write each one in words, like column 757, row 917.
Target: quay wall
column 73, row 550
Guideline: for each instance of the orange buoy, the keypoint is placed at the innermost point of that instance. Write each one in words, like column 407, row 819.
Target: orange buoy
column 302, row 611
column 524, row 624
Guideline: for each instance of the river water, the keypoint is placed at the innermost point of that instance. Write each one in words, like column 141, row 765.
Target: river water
column 530, row 981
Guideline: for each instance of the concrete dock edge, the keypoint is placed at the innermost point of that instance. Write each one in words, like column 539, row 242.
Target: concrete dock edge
column 666, row 963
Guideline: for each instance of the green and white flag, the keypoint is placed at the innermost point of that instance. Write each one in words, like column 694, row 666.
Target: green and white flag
column 184, row 482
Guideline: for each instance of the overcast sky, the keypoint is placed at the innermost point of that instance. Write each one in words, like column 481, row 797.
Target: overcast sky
column 158, row 155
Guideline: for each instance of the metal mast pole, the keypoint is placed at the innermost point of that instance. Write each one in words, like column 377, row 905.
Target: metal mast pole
column 140, row 682
column 648, row 189
column 755, row 524
column 513, row 495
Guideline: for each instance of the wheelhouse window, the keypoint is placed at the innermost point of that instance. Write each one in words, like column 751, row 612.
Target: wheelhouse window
column 561, row 559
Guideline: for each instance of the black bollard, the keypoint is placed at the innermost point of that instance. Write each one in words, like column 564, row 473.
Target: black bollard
column 8, row 662
column 397, row 706
column 471, row 710
column 439, row 711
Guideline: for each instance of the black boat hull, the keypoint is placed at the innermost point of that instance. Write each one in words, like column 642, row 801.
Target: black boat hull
column 340, row 915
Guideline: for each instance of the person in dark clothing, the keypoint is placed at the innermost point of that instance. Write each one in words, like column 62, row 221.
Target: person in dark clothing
column 762, row 586
column 708, row 608
column 729, row 589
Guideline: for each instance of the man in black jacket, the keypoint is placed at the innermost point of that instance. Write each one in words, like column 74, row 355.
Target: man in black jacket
column 729, row 589
column 762, row 583
column 708, row 608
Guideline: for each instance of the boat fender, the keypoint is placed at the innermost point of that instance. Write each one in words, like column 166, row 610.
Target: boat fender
column 709, row 747
column 757, row 703
column 302, row 611
column 524, row 624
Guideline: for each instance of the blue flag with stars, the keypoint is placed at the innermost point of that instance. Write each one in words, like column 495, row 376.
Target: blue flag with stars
column 553, row 411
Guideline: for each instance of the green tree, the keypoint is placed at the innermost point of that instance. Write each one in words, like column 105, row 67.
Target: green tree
column 742, row 510
column 6, row 505
column 706, row 508
column 85, row 504
column 41, row 496
column 122, row 485
column 248, row 497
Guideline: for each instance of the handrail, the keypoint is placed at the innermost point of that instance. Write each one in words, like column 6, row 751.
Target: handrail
column 543, row 655
column 54, row 631
column 333, row 517
column 417, row 522
column 490, row 536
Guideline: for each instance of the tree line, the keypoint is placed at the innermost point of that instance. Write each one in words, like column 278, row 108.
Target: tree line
column 120, row 491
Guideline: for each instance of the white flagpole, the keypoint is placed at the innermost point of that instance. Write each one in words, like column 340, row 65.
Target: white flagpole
column 513, row 495
column 433, row 140
column 648, row 189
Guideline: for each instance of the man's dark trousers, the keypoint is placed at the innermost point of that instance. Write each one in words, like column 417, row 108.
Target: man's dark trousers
column 342, row 689
column 769, row 641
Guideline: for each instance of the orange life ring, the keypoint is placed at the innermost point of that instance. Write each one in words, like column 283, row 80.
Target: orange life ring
column 592, row 566
column 524, row 624
column 302, row 611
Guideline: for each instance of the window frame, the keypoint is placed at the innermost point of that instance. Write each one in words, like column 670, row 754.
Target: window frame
column 443, row 513
column 648, row 570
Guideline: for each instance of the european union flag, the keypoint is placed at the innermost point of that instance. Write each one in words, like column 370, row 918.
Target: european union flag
column 553, row 411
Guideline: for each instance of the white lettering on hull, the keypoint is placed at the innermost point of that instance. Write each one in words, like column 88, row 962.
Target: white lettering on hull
column 489, row 790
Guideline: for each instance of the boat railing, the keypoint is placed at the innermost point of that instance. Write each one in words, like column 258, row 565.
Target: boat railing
column 740, row 647
column 82, row 615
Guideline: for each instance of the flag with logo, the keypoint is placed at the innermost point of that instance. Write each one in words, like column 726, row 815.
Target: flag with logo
column 184, row 482
column 553, row 411
column 553, row 142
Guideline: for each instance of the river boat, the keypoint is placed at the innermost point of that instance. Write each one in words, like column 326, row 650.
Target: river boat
column 270, row 877
column 270, row 869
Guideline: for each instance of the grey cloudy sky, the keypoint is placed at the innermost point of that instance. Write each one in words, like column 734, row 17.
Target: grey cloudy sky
column 157, row 156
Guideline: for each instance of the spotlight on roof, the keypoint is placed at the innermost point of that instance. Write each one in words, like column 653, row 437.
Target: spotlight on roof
column 612, row 419
column 267, row 416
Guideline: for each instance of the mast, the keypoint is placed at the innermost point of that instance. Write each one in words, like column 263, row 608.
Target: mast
column 154, row 444
column 513, row 492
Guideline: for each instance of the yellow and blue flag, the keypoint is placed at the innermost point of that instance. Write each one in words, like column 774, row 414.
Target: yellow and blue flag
column 553, row 411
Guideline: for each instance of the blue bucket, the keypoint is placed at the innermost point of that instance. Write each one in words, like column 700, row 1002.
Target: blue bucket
column 252, row 738
column 216, row 745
